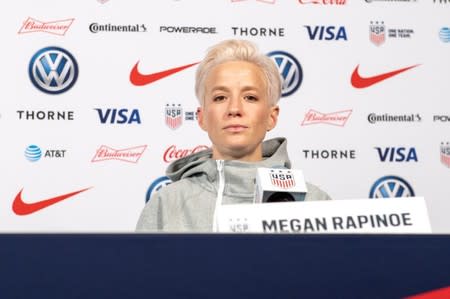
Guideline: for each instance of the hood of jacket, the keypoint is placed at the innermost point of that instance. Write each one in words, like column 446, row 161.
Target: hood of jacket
column 274, row 156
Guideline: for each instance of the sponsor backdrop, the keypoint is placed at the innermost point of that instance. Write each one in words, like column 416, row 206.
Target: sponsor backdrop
column 98, row 98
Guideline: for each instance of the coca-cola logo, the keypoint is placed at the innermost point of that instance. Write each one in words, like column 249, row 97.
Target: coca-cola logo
column 338, row 118
column 173, row 153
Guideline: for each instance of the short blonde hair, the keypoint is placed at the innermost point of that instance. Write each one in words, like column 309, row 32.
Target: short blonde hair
column 239, row 50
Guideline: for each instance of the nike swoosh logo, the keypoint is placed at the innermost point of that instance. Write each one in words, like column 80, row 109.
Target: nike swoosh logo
column 363, row 82
column 22, row 208
column 139, row 79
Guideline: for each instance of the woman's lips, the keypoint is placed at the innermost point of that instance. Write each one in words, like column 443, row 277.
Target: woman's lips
column 235, row 128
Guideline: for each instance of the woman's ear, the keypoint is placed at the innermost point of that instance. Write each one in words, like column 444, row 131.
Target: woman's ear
column 273, row 117
column 200, row 118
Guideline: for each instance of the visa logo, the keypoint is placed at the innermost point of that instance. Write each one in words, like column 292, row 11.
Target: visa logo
column 118, row 116
column 397, row 154
column 326, row 32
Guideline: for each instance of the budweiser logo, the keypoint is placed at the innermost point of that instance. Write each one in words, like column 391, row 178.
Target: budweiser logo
column 338, row 118
column 172, row 153
column 54, row 27
column 132, row 154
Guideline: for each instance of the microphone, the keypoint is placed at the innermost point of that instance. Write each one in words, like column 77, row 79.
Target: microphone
column 279, row 185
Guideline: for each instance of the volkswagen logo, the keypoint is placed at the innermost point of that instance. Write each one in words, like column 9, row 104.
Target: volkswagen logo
column 290, row 71
column 53, row 70
column 391, row 186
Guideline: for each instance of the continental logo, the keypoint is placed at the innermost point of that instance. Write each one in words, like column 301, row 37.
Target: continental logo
column 374, row 118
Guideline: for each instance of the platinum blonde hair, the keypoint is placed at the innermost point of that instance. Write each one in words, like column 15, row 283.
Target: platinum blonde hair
column 238, row 50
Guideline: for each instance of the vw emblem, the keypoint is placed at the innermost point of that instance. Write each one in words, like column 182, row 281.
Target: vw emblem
column 290, row 70
column 53, row 70
column 391, row 186
column 156, row 186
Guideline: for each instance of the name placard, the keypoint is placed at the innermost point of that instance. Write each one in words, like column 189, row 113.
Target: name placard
column 392, row 215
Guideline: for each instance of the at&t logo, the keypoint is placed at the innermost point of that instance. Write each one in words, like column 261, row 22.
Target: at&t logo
column 33, row 153
column 290, row 70
column 53, row 70
column 391, row 186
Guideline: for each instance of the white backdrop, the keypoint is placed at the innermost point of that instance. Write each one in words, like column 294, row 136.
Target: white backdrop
column 71, row 147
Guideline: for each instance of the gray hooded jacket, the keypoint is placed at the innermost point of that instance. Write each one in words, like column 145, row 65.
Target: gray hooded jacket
column 200, row 183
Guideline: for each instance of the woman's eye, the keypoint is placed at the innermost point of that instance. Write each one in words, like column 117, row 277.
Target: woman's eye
column 218, row 98
column 251, row 98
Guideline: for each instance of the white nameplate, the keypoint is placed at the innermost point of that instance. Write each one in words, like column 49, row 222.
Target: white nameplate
column 390, row 215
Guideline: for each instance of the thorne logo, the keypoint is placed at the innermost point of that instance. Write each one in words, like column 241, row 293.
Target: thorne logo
column 59, row 27
column 45, row 115
column 258, row 31
column 132, row 154
column 173, row 153
column 338, row 118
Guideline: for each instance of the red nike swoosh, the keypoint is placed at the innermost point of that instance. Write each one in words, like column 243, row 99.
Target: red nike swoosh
column 363, row 82
column 139, row 79
column 22, row 208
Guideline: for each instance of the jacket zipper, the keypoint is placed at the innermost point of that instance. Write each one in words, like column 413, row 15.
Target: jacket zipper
column 219, row 198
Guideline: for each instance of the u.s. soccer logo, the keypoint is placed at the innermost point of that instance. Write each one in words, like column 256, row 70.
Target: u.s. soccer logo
column 445, row 154
column 53, row 70
column 174, row 116
column 282, row 178
column 290, row 70
column 377, row 33
column 391, row 186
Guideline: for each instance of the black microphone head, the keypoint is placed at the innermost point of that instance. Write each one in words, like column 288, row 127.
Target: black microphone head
column 280, row 197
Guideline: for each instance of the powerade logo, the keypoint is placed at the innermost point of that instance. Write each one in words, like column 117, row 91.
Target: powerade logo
column 53, row 70
column 33, row 153
column 391, row 186
column 156, row 186
column 290, row 70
